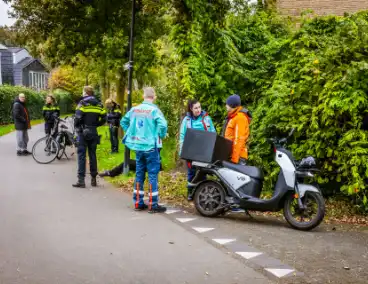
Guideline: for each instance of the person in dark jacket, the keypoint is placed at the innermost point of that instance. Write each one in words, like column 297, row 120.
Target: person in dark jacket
column 50, row 112
column 22, row 123
column 113, row 119
column 89, row 115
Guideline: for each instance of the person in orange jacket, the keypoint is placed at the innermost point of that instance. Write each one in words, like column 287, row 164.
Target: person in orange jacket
column 236, row 128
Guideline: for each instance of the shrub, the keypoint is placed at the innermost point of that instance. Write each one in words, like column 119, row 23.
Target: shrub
column 64, row 100
column 320, row 88
column 35, row 102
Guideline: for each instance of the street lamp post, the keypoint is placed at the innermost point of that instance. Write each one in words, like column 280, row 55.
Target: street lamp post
column 130, row 79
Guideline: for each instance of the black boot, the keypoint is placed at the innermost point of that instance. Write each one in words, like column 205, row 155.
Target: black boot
column 94, row 181
column 157, row 209
column 80, row 183
column 104, row 174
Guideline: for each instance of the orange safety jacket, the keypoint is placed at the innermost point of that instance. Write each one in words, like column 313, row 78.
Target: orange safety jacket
column 236, row 129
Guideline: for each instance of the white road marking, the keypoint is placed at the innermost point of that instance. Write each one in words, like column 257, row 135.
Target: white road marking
column 279, row 272
column 223, row 241
column 172, row 211
column 202, row 230
column 248, row 255
column 184, row 220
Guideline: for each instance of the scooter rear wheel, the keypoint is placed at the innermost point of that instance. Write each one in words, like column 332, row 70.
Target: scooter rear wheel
column 310, row 217
column 209, row 199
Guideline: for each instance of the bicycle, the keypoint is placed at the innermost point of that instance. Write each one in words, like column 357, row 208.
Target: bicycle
column 53, row 145
column 66, row 138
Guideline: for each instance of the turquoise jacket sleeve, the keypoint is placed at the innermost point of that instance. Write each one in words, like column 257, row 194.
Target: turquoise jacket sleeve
column 183, row 130
column 125, row 121
column 212, row 127
column 161, row 123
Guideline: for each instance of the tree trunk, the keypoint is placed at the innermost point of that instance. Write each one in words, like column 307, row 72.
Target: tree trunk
column 104, row 88
column 120, row 96
column 108, row 90
column 120, row 91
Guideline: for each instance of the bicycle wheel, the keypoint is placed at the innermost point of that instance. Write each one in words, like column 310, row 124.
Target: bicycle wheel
column 45, row 150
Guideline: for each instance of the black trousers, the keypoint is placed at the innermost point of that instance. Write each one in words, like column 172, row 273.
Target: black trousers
column 48, row 128
column 114, row 139
column 83, row 146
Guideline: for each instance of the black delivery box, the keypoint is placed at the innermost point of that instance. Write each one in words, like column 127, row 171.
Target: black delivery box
column 206, row 147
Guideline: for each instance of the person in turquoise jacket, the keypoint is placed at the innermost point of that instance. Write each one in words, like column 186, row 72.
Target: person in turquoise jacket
column 197, row 119
column 145, row 126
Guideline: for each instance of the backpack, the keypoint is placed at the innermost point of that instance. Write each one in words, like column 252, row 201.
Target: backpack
column 248, row 114
column 11, row 111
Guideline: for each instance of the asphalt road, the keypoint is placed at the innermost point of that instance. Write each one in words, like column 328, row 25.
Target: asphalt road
column 53, row 233
column 331, row 253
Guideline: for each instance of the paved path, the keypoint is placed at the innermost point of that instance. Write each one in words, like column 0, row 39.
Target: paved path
column 329, row 254
column 53, row 233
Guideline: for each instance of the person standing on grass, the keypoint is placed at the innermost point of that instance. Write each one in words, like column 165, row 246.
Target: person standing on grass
column 142, row 125
column 197, row 119
column 22, row 123
column 89, row 115
column 236, row 129
column 113, row 119
column 50, row 112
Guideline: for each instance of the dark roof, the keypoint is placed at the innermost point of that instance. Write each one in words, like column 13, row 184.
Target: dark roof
column 26, row 61
column 15, row 49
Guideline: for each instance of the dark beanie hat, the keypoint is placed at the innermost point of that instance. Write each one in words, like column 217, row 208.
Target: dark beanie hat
column 233, row 101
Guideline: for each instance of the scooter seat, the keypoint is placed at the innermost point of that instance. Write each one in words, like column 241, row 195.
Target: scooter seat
column 250, row 171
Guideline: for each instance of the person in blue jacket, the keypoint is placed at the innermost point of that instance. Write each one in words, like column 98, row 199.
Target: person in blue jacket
column 197, row 119
column 145, row 126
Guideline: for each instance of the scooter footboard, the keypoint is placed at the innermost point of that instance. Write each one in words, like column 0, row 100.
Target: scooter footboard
column 303, row 188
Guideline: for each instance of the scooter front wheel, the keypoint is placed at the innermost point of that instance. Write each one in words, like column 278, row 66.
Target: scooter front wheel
column 209, row 199
column 308, row 218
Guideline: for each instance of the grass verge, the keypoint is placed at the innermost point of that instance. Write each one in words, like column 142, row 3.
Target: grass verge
column 107, row 161
column 7, row 128
column 172, row 183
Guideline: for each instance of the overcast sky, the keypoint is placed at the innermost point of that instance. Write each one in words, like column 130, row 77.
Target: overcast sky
column 4, row 20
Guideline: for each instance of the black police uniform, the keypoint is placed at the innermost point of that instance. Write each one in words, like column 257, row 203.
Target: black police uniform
column 50, row 112
column 113, row 119
column 89, row 115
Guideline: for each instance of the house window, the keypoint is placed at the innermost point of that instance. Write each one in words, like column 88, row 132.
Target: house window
column 38, row 80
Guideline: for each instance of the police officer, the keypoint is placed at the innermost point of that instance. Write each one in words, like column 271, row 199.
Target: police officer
column 89, row 115
column 113, row 119
column 50, row 112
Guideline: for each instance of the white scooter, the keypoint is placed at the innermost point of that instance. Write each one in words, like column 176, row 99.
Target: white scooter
column 240, row 186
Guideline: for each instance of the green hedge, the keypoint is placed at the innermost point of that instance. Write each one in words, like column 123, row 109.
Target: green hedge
column 65, row 101
column 321, row 88
column 35, row 102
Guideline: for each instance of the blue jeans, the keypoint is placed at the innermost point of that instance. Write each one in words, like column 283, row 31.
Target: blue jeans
column 146, row 161
column 191, row 174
